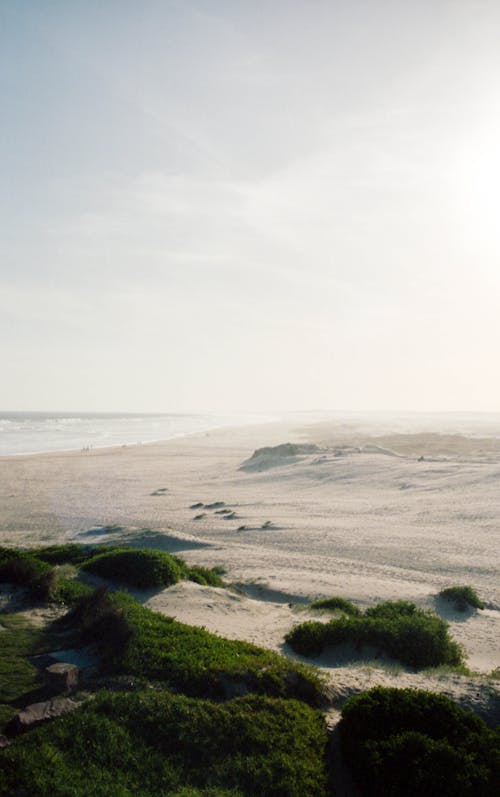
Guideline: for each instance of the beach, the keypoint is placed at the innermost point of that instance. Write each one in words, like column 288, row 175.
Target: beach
column 369, row 516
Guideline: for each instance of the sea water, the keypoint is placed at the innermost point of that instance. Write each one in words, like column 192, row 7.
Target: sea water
column 35, row 432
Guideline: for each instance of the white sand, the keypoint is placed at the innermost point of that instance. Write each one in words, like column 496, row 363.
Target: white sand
column 362, row 518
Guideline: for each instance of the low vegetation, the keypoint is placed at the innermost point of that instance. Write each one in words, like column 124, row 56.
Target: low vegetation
column 38, row 568
column 142, row 643
column 336, row 604
column 23, row 569
column 397, row 629
column 407, row 743
column 145, row 744
column 71, row 553
column 196, row 715
column 19, row 678
column 463, row 598
column 136, row 568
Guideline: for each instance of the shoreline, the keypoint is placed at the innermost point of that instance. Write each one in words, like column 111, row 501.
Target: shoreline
column 367, row 526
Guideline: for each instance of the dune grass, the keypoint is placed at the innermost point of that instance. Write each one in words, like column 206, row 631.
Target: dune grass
column 152, row 743
column 134, row 640
column 336, row 604
column 137, row 568
column 398, row 629
column 407, row 743
column 463, row 598
column 38, row 568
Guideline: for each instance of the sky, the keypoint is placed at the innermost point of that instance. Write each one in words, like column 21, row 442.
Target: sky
column 249, row 206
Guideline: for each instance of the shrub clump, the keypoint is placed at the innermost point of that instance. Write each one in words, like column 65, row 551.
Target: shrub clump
column 335, row 604
column 151, row 743
column 102, row 622
column 205, row 576
column 398, row 629
column 71, row 553
column 24, row 570
column 406, row 743
column 137, row 568
column 462, row 598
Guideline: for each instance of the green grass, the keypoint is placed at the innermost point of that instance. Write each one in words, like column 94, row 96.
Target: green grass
column 153, row 743
column 147, row 568
column 398, row 629
column 462, row 598
column 18, row 678
column 142, row 643
column 336, row 604
column 205, row 575
column 41, row 569
column 136, row 568
column 71, row 553
column 409, row 743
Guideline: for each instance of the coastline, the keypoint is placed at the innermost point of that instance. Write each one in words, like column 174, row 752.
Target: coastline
column 338, row 525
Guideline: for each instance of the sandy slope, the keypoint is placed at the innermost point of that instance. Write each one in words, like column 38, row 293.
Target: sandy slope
column 363, row 517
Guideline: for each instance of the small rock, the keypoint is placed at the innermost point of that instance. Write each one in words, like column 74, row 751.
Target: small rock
column 37, row 713
column 62, row 676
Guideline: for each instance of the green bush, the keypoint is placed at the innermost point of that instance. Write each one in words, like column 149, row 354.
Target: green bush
column 70, row 553
column 399, row 630
column 142, row 569
column 406, row 743
column 336, row 604
column 462, row 598
column 144, row 744
column 24, row 570
column 188, row 659
column 21, row 569
column 205, row 576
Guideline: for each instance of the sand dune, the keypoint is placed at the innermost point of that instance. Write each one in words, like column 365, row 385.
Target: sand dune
column 361, row 517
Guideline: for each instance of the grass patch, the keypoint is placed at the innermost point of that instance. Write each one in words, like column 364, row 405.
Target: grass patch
column 22, row 569
column 71, row 553
column 147, row 568
column 463, row 598
column 398, row 629
column 336, row 604
column 142, row 643
column 205, row 576
column 150, row 743
column 137, row 568
column 17, row 676
column 407, row 743
column 42, row 569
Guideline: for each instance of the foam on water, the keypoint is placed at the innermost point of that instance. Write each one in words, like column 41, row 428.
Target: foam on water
column 36, row 432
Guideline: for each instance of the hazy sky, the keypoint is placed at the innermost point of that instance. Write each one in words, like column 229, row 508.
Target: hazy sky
column 250, row 205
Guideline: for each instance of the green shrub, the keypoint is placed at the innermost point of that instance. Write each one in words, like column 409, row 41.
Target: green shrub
column 142, row 569
column 70, row 553
column 336, row 604
column 399, row 630
column 103, row 622
column 462, row 598
column 406, row 743
column 205, row 576
column 393, row 610
column 21, row 569
column 24, row 570
column 150, row 743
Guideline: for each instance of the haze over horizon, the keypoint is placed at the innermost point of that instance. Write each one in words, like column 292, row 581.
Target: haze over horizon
column 220, row 206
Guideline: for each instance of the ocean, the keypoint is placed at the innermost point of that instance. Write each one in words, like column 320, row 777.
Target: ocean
column 36, row 432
